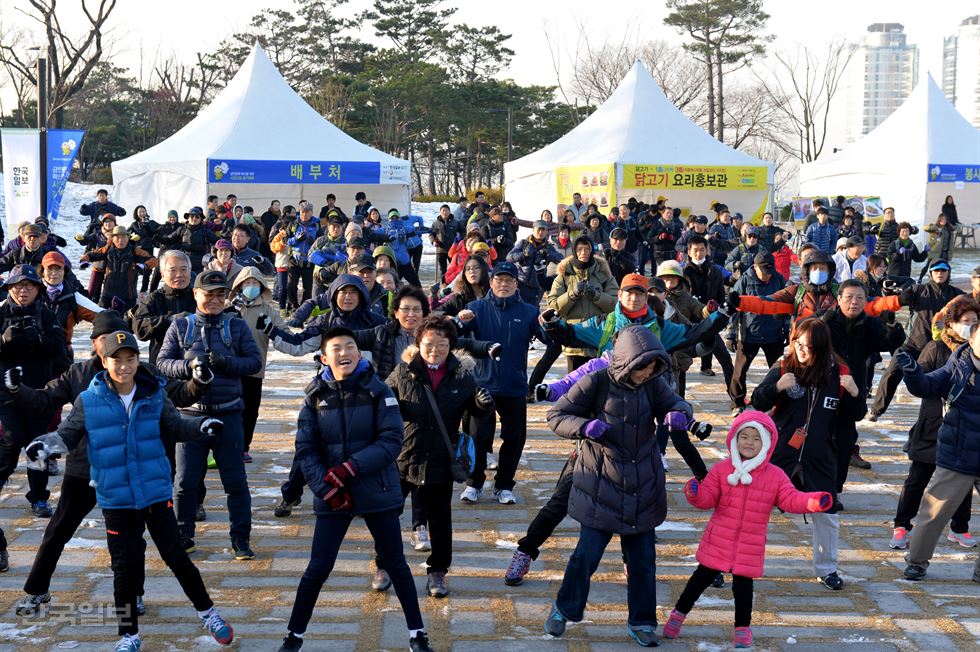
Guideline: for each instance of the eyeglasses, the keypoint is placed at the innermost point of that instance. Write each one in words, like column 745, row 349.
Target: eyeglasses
column 414, row 310
column 802, row 345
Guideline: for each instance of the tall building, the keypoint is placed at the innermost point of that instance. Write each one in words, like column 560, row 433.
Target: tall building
column 881, row 75
column 961, row 69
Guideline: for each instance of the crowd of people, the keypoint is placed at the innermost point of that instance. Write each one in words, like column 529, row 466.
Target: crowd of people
column 411, row 381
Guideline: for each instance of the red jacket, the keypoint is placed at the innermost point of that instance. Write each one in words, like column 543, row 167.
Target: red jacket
column 735, row 538
column 783, row 257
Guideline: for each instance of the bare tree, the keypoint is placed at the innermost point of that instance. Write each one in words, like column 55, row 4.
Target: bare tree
column 750, row 116
column 71, row 58
column 801, row 85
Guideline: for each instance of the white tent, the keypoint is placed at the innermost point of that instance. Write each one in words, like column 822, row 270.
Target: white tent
column 262, row 141
column 638, row 144
column 922, row 152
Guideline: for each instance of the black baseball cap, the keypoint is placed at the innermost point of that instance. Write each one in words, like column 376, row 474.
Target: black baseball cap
column 763, row 259
column 211, row 280
column 357, row 242
column 121, row 339
column 504, row 268
column 855, row 241
column 365, row 261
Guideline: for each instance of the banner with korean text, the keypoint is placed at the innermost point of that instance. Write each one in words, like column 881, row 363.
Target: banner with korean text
column 596, row 183
column 21, row 175
column 694, row 177
column 307, row 172
column 63, row 146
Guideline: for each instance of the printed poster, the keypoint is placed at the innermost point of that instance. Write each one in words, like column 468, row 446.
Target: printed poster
column 596, row 183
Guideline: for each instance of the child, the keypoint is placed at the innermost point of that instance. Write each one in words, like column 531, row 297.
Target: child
column 743, row 490
column 123, row 414
column 123, row 262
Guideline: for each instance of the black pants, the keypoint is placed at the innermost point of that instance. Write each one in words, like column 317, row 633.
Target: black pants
column 145, row 276
column 328, row 534
column 723, row 357
column 17, row 433
column 915, row 485
column 442, row 264
column 124, row 535
column 845, row 438
column 702, row 578
column 297, row 273
column 155, row 279
column 889, row 382
column 252, row 396
column 549, row 516
column 435, row 501
column 513, row 434
column 744, row 356
column 407, row 272
column 575, row 361
column 544, row 364
column 415, row 255
column 292, row 488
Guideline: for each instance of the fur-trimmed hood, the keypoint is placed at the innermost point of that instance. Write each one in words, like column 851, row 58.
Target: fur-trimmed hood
column 466, row 361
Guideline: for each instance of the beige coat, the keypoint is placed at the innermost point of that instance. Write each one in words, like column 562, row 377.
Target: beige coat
column 250, row 312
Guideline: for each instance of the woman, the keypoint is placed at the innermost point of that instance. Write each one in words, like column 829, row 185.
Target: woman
column 957, row 320
column 903, row 251
column 942, row 238
column 949, row 210
column 469, row 286
column 223, row 261
column 810, row 389
column 595, row 229
column 431, row 376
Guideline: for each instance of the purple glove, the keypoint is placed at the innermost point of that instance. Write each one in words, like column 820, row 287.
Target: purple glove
column 901, row 250
column 595, row 428
column 677, row 420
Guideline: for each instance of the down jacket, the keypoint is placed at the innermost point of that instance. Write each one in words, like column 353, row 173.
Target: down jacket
column 958, row 442
column 734, row 540
column 353, row 419
column 153, row 315
column 576, row 309
column 921, row 446
column 618, row 480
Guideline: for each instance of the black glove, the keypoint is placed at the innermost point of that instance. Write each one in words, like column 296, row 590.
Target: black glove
column 483, row 397
column 12, row 379
column 575, row 292
column 494, row 351
column 541, row 392
column 300, row 236
column 218, row 362
column 118, row 305
column 264, row 324
column 890, row 288
column 499, row 239
column 257, row 260
column 212, row 427
column 84, row 264
column 732, row 345
column 906, row 362
column 528, row 251
column 141, row 267
column 887, row 316
column 591, row 290
column 733, row 300
column 201, row 371
column 907, row 297
column 550, row 315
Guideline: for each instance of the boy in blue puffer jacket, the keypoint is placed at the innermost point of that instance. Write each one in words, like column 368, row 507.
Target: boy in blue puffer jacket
column 402, row 237
column 125, row 413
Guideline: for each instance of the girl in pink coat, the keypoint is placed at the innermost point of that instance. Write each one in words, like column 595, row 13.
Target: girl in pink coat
column 742, row 490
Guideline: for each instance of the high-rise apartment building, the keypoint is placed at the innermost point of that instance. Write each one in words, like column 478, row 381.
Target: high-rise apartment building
column 961, row 69
column 880, row 77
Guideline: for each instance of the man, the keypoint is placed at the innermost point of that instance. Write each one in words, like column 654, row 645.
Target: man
column 300, row 238
column 30, row 253
column 663, row 236
column 697, row 226
column 362, row 207
column 852, row 263
column 755, row 332
column 331, row 209
column 887, row 232
column 245, row 256
column 527, row 256
column 621, row 262
column 444, row 231
column 499, row 234
column 269, row 219
column 153, row 315
column 194, row 238
column 356, row 247
column 707, row 284
column 226, row 343
column 770, row 235
column 741, row 257
column 327, row 250
column 836, row 211
column 145, row 231
column 100, row 207
column 823, row 234
column 502, row 316
column 461, row 212
column 577, row 208
column 722, row 235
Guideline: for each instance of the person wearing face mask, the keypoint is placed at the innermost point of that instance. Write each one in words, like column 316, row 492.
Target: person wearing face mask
column 956, row 323
column 621, row 262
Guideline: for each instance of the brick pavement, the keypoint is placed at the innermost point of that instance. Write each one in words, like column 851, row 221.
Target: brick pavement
column 875, row 611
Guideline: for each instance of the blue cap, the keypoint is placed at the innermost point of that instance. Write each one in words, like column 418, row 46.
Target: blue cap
column 24, row 273
column 939, row 264
column 504, row 268
column 196, row 210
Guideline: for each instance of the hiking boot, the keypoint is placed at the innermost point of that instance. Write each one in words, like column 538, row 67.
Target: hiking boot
column 504, row 496
column 4, row 561
column 285, row 507
column 645, row 636
column 742, row 637
column 31, row 604
column 419, row 643
column 129, row 644
column 436, row 585
column 857, row 461
column 719, row 581
column 672, row 628
column 470, row 494
column 914, row 572
column 708, row 372
column 420, row 539
column 520, row 564
column 900, row 539
column 555, row 624
column 51, row 466
column 218, row 628
column 200, row 514
column 188, row 544
column 962, row 538
column 242, row 550
column 976, row 576
column 832, row 581
column 41, row 509
column 291, row 643
column 140, row 606
column 381, row 581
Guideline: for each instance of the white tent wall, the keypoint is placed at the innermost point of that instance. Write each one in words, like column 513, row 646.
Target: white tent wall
column 260, row 195
column 159, row 191
column 532, row 194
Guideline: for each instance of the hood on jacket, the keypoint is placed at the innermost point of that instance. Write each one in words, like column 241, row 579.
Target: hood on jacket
column 769, row 433
column 466, row 361
column 636, row 347
column 348, row 279
column 251, row 272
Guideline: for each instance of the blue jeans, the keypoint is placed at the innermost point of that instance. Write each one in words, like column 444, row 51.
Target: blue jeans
column 640, row 553
column 192, row 459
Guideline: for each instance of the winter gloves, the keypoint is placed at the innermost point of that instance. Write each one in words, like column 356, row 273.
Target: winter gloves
column 595, row 428
column 201, row 371
column 906, row 362
column 212, row 427
column 338, row 494
column 677, row 420
column 821, row 504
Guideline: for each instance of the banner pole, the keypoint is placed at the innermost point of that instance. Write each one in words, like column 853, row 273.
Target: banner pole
column 42, row 129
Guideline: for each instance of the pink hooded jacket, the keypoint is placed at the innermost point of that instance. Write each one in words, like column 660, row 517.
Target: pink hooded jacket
column 742, row 493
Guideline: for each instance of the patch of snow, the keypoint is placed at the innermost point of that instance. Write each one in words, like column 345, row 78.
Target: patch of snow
column 668, row 526
column 79, row 542
column 267, row 492
column 871, row 488
column 10, row 632
column 791, row 640
column 850, row 579
column 509, row 545
column 711, row 601
column 68, row 645
column 711, row 647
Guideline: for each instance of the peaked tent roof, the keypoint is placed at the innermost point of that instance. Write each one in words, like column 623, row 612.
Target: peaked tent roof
column 257, row 116
column 926, row 128
column 636, row 123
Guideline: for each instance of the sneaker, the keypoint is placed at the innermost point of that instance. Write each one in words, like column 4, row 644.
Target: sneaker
column 242, row 550
column 491, row 462
column 900, row 539
column 188, row 544
column 436, row 585
column 246, row 458
column 742, row 637
column 51, row 466
column 914, row 572
column 212, row 464
column 291, row 643
column 419, row 643
column 857, row 461
column 4, row 561
column 140, row 606
column 219, row 629
column 129, row 644
column 555, row 625
column 708, row 372
column 420, row 539
column 832, row 581
column 645, row 636
column 31, row 604
column 962, row 538
column 504, row 496
column 719, row 581
column 285, row 507
column 672, row 628
column 41, row 509
column 470, row 494
column 200, row 514
column 520, row 564
column 381, row 581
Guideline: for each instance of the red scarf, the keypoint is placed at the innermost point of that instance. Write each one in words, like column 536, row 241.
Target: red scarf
column 636, row 314
column 436, row 375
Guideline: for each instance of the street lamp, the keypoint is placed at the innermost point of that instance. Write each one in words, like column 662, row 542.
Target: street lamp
column 42, row 131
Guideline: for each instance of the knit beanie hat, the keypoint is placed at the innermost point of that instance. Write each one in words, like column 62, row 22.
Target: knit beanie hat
column 766, row 428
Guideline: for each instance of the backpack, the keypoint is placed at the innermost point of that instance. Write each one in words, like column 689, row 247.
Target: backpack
column 187, row 338
column 602, row 391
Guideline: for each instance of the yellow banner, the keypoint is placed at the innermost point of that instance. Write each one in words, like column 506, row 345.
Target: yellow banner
column 694, row 177
column 596, row 183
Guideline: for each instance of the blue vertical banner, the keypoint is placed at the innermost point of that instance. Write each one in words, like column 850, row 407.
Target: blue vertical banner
column 63, row 146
